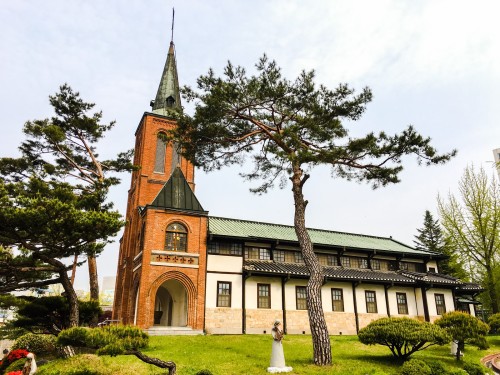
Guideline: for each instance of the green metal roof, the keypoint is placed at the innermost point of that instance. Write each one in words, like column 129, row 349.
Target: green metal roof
column 219, row 226
column 177, row 194
column 168, row 96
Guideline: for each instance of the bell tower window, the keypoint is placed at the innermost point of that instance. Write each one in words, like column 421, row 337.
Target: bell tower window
column 161, row 148
column 170, row 101
column 176, row 237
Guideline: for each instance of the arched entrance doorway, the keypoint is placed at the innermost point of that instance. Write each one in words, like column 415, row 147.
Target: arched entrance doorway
column 171, row 305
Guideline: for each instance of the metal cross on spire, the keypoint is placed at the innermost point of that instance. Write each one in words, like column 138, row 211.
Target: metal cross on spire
column 173, row 17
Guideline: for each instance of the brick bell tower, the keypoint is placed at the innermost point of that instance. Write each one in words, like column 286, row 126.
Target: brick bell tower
column 160, row 282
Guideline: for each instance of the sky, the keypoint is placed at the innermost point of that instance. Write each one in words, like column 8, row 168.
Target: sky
column 433, row 64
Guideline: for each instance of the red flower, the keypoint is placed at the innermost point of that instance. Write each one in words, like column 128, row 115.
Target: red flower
column 15, row 373
column 16, row 354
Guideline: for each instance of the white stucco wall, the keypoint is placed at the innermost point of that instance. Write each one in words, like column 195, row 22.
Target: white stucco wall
column 431, row 300
column 251, row 291
column 224, row 263
column 380, row 296
column 432, row 264
column 236, row 289
column 410, row 299
column 326, row 296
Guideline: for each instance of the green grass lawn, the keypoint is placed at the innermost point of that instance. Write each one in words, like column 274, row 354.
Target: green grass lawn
column 250, row 354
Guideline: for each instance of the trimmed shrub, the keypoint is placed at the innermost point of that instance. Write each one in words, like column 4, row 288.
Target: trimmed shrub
column 86, row 364
column 463, row 328
column 110, row 340
column 17, row 365
column 437, row 368
column 415, row 367
column 39, row 344
column 403, row 336
column 494, row 323
column 474, row 368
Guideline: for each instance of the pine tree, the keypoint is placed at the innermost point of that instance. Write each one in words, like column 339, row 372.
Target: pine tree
column 288, row 127
column 431, row 238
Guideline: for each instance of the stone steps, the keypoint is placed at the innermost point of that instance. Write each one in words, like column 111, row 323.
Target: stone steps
column 172, row 331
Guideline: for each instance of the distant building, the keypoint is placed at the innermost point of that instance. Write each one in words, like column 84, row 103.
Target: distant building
column 496, row 157
column 107, row 290
column 179, row 267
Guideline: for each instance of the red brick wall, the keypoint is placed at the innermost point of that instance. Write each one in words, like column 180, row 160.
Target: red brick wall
column 145, row 185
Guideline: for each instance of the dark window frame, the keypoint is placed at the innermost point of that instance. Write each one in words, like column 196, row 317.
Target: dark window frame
column 300, row 303
column 402, row 302
column 371, row 302
column 279, row 255
column 225, row 248
column 263, row 298
column 341, row 307
column 219, row 294
column 440, row 303
column 345, row 262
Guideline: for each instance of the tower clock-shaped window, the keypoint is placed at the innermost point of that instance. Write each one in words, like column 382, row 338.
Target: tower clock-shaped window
column 176, row 237
column 161, row 149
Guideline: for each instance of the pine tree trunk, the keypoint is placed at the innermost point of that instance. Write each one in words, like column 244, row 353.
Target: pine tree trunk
column 321, row 340
column 69, row 291
column 155, row 361
column 72, row 298
column 93, row 278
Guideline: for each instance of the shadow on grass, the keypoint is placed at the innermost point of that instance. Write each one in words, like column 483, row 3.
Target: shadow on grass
column 388, row 360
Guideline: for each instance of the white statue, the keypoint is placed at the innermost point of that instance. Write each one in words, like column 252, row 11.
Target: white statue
column 277, row 354
column 30, row 365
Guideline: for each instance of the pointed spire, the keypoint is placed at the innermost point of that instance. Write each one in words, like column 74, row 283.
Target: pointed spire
column 168, row 97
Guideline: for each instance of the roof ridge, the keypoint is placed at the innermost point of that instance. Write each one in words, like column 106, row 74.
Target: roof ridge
column 315, row 229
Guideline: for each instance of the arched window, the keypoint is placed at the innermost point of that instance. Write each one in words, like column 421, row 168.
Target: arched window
column 176, row 237
column 161, row 147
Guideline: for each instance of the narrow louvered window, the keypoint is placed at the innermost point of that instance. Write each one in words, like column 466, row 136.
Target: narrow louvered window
column 161, row 148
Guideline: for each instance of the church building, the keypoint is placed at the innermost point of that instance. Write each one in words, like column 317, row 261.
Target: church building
column 182, row 270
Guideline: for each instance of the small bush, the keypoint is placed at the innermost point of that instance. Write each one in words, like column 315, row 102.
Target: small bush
column 480, row 342
column 38, row 344
column 86, row 364
column 494, row 323
column 204, row 372
column 458, row 372
column 415, row 367
column 403, row 336
column 437, row 368
column 17, row 365
column 474, row 368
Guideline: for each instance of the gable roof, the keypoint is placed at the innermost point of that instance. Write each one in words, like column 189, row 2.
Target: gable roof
column 177, row 194
column 253, row 230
